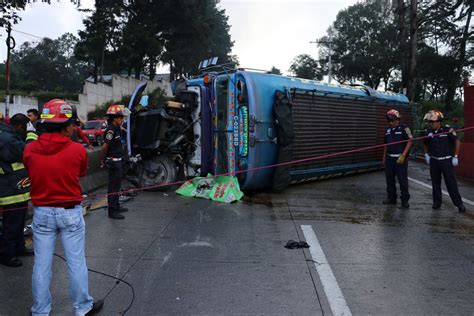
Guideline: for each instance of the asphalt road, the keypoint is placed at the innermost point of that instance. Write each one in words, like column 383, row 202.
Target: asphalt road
column 189, row 256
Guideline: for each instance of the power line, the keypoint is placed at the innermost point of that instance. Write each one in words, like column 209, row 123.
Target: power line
column 29, row 34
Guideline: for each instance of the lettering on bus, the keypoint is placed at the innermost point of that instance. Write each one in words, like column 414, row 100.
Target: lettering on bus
column 244, row 131
column 235, row 127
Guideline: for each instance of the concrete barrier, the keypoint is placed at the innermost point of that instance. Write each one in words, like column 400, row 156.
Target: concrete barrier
column 96, row 177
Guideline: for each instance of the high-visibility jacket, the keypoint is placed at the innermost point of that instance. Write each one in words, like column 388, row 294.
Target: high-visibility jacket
column 14, row 181
column 31, row 136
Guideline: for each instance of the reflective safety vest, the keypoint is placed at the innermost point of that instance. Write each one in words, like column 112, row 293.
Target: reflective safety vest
column 31, row 136
column 14, row 184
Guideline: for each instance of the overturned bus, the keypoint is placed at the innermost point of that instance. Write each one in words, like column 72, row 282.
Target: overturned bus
column 246, row 122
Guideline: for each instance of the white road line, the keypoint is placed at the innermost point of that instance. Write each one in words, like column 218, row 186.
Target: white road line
column 331, row 288
column 444, row 192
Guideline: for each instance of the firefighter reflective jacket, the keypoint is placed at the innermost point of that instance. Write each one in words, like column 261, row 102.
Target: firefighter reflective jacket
column 14, row 181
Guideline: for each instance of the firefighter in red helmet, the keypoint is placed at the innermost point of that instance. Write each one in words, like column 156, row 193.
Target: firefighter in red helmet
column 55, row 164
column 442, row 147
column 398, row 138
column 112, row 156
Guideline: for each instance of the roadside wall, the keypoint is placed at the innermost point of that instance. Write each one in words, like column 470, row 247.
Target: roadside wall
column 466, row 165
column 20, row 104
column 96, row 94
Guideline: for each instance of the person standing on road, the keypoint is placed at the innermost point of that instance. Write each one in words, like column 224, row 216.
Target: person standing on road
column 33, row 127
column 112, row 155
column 33, row 117
column 441, row 153
column 55, row 163
column 395, row 158
column 77, row 134
column 14, row 191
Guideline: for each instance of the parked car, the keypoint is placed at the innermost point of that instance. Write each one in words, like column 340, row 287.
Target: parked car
column 94, row 131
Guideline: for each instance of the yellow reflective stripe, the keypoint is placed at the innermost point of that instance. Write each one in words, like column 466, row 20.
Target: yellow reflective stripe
column 31, row 136
column 17, row 166
column 15, row 199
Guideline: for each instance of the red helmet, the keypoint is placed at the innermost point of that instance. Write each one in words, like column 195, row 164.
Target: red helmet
column 392, row 115
column 116, row 109
column 56, row 111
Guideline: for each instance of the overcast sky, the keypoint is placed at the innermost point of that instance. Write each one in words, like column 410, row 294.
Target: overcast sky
column 266, row 32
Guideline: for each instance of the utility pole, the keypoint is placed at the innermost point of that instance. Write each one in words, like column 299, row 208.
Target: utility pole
column 329, row 42
column 10, row 45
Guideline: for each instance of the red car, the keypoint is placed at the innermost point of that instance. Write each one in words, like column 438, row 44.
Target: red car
column 94, row 131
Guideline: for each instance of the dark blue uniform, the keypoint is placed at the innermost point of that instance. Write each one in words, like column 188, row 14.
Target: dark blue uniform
column 113, row 160
column 441, row 151
column 392, row 168
column 14, row 194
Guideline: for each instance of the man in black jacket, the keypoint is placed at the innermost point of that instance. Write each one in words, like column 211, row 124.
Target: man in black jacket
column 14, row 191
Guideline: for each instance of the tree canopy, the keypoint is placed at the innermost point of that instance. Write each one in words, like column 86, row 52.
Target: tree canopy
column 48, row 66
column 136, row 36
column 304, row 66
column 363, row 45
column 421, row 47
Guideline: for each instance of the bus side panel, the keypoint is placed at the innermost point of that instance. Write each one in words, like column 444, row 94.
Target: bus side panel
column 327, row 125
column 262, row 149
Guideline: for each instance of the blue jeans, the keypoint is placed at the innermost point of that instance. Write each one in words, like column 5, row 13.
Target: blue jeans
column 48, row 223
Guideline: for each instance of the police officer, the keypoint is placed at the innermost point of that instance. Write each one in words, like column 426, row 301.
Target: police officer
column 14, row 191
column 441, row 153
column 112, row 156
column 395, row 158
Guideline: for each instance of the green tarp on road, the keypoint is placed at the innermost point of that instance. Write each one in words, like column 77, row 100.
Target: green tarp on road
column 222, row 189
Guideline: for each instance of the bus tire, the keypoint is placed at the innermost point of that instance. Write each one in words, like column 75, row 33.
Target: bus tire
column 157, row 172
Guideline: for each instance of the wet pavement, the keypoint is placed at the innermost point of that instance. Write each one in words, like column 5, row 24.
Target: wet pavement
column 189, row 256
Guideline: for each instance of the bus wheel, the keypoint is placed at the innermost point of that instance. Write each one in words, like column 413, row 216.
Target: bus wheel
column 157, row 172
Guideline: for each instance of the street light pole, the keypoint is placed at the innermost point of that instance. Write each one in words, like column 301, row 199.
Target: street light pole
column 330, row 56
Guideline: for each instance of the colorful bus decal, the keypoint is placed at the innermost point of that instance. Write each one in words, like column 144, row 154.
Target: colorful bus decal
column 244, row 131
column 230, row 139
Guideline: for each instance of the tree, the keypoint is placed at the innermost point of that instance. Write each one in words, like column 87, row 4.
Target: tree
column 275, row 71
column 135, row 36
column 101, row 34
column 440, row 23
column 194, row 31
column 143, row 43
column 304, row 66
column 48, row 66
column 363, row 46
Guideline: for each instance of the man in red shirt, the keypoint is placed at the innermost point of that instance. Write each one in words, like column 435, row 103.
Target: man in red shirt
column 55, row 163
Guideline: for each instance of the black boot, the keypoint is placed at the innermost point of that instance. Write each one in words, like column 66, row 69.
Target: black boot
column 388, row 202
column 405, row 205
column 11, row 262
column 462, row 209
column 116, row 215
column 436, row 206
column 25, row 252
